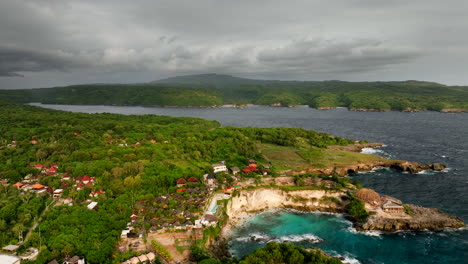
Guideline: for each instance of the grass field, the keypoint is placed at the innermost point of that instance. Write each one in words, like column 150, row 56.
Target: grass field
column 284, row 158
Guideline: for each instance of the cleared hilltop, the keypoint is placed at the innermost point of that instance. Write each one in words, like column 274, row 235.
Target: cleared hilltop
column 210, row 90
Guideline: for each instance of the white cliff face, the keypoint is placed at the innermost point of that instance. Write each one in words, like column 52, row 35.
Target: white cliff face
column 251, row 201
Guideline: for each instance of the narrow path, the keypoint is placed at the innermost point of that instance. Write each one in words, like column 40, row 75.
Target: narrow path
column 37, row 221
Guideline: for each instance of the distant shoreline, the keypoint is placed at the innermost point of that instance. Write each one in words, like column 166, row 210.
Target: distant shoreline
column 449, row 110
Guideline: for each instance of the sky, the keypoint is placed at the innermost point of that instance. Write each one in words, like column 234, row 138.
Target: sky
column 46, row 43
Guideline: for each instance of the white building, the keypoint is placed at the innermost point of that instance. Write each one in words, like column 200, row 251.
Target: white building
column 92, row 205
column 9, row 259
column 219, row 167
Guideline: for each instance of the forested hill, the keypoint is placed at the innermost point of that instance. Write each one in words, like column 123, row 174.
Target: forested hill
column 215, row 90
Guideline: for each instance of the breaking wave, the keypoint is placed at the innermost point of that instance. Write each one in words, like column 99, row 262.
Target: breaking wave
column 346, row 258
column 263, row 238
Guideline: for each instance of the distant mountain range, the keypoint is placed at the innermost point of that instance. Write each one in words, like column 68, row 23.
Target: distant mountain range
column 206, row 90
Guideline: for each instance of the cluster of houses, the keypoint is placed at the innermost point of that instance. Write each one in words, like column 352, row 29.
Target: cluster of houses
column 30, row 183
column 174, row 210
column 143, row 258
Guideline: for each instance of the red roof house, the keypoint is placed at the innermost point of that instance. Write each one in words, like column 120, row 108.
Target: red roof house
column 181, row 182
column 192, row 179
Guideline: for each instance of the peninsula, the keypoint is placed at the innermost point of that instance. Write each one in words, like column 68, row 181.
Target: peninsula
column 110, row 188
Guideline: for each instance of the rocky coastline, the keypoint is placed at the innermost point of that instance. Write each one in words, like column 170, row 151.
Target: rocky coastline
column 421, row 219
column 249, row 202
column 405, row 166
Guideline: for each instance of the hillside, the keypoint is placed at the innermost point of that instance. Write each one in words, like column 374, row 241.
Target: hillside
column 121, row 162
column 208, row 90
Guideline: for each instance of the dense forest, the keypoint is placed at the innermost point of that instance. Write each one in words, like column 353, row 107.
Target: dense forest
column 215, row 90
column 132, row 158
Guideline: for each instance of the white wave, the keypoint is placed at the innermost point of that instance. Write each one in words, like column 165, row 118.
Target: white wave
column 346, row 258
column 299, row 238
column 372, row 151
column 446, row 169
column 373, row 233
column 264, row 238
column 257, row 237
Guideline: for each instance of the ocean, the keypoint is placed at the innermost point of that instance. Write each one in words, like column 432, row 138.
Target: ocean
column 424, row 137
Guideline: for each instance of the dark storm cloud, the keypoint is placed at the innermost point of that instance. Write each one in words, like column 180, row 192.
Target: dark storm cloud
column 342, row 39
column 14, row 60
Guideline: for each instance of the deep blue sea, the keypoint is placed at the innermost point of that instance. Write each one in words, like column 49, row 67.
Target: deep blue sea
column 424, row 137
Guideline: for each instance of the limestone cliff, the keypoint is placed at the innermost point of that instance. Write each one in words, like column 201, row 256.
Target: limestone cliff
column 251, row 201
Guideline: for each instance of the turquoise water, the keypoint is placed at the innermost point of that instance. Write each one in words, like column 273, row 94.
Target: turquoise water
column 335, row 235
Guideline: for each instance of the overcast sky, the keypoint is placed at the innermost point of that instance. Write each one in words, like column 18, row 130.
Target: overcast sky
column 46, row 43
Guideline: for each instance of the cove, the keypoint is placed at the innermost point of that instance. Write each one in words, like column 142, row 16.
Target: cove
column 335, row 235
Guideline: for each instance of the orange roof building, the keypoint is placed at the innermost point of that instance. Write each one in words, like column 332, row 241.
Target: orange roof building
column 38, row 186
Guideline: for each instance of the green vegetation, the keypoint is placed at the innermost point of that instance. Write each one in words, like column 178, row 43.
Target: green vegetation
column 408, row 210
column 356, row 209
column 213, row 89
column 297, row 155
column 134, row 159
column 274, row 253
column 161, row 250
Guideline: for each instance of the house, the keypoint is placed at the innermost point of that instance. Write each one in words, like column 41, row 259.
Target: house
column 93, row 206
column 124, row 233
column 143, row 258
column 33, row 142
column 151, row 256
column 181, row 182
column 38, row 187
column 181, row 190
column 249, row 169
column 39, row 166
column 192, row 180
column 18, row 185
column 66, row 177
column 97, row 193
column 74, row 260
column 86, row 179
column 265, row 171
column 57, row 193
column 210, row 179
column 235, row 170
column 11, row 248
column 52, row 169
column 219, row 167
column 9, row 259
column 229, row 190
column 209, row 219
column 69, row 201
column 393, row 207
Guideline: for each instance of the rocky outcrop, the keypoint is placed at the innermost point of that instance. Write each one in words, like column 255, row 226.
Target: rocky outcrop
column 406, row 166
column 356, row 147
column 421, row 219
column 454, row 110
